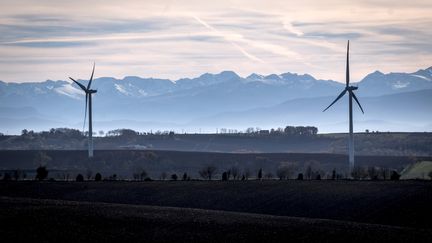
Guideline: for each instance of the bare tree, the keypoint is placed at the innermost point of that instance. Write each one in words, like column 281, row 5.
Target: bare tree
column 247, row 173
column 235, row 172
column 17, row 174
column 41, row 159
column 286, row 170
column 163, row 175
column 268, row 175
column 309, row 172
column 89, row 174
column 282, row 172
column 384, row 173
column 372, row 172
column 260, row 174
column 207, row 172
column 359, row 172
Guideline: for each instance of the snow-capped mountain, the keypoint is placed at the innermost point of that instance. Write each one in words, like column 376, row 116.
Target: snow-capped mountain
column 378, row 83
column 181, row 101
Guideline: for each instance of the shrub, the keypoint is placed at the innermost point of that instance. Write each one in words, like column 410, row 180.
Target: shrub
column 143, row 175
column 300, row 176
column 224, row 176
column 260, row 174
column 7, row 177
column 17, row 174
column 394, row 176
column 333, row 177
column 184, row 177
column 41, row 173
column 98, row 177
column 80, row 178
column 174, row 177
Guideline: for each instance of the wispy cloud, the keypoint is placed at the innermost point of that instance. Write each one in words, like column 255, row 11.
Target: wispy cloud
column 169, row 39
column 230, row 39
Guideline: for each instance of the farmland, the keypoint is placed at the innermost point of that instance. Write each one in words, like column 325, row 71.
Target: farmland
column 377, row 144
column 216, row 210
column 124, row 163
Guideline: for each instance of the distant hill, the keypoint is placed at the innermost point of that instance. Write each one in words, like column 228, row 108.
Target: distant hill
column 377, row 144
column 410, row 111
column 153, row 103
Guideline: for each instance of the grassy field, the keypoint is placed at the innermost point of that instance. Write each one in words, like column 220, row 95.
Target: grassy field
column 418, row 170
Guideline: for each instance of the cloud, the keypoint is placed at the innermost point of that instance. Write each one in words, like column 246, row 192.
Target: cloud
column 53, row 39
column 230, row 39
column 289, row 26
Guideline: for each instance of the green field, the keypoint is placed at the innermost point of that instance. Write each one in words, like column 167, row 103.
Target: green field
column 418, row 170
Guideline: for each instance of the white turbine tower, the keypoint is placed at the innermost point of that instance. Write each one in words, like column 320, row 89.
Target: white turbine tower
column 350, row 90
column 88, row 102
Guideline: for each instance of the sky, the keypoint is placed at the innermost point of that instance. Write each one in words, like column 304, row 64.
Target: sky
column 55, row 39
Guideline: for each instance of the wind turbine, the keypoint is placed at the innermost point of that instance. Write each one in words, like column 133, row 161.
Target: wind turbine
column 88, row 102
column 350, row 90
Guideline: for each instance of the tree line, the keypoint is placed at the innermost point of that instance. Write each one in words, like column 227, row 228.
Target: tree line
column 283, row 172
column 125, row 132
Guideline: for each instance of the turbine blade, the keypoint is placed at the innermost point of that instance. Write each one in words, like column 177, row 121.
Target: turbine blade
column 347, row 67
column 91, row 77
column 85, row 113
column 340, row 96
column 81, row 86
column 358, row 103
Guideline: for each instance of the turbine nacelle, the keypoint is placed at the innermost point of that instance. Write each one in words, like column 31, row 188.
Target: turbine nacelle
column 351, row 88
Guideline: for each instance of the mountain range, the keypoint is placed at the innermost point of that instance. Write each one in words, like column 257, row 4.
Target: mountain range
column 392, row 102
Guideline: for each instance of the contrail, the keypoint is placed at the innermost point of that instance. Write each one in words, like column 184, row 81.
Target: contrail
column 243, row 51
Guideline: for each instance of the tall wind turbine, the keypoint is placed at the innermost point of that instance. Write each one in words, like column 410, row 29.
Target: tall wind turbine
column 350, row 90
column 88, row 102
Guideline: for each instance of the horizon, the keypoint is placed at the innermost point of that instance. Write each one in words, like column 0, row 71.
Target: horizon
column 170, row 40
column 193, row 77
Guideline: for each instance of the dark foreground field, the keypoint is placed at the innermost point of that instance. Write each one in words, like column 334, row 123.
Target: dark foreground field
column 223, row 211
column 40, row 220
